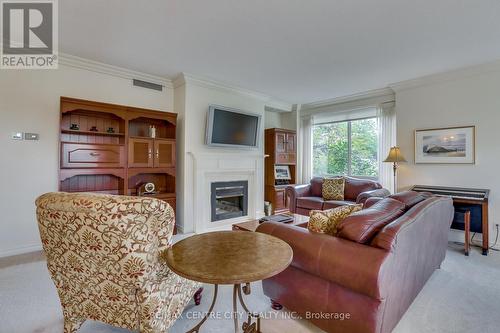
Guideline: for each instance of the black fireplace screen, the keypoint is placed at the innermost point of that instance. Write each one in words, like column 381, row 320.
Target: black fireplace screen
column 229, row 200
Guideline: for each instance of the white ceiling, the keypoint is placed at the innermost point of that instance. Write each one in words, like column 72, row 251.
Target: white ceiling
column 298, row 51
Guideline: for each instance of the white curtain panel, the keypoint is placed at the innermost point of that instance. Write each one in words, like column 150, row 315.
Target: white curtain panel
column 386, row 114
column 305, row 144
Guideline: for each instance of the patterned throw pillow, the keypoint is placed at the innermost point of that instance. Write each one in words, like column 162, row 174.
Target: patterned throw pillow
column 327, row 221
column 333, row 188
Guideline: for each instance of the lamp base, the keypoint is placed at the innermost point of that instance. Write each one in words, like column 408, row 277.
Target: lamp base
column 395, row 168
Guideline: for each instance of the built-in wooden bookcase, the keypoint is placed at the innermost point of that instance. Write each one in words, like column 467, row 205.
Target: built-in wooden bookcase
column 281, row 152
column 109, row 148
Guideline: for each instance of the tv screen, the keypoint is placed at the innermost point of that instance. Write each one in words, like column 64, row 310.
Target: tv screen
column 228, row 127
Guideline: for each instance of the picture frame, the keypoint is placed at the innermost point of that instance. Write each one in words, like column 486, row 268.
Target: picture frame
column 282, row 172
column 447, row 145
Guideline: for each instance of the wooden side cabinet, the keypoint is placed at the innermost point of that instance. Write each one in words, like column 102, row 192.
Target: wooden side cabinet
column 281, row 150
column 276, row 195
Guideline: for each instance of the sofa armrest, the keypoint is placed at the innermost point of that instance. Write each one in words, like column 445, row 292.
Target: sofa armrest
column 381, row 193
column 349, row 264
column 293, row 192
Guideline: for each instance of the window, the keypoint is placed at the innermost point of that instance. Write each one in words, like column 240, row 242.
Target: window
column 346, row 148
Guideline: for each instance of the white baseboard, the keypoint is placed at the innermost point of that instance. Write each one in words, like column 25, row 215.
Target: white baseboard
column 458, row 236
column 180, row 228
column 21, row 250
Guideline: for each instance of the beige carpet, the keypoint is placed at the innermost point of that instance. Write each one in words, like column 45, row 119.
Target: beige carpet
column 463, row 296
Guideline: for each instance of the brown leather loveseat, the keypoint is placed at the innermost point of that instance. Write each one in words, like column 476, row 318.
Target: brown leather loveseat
column 304, row 198
column 364, row 279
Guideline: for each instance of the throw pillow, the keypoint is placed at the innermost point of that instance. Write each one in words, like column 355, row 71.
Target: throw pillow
column 327, row 221
column 333, row 188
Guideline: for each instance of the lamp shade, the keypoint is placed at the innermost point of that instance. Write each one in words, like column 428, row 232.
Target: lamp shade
column 395, row 156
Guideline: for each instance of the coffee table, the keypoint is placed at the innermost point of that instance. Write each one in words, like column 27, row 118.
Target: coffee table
column 253, row 224
column 230, row 257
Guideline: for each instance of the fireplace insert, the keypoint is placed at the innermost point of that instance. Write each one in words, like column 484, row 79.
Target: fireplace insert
column 229, row 200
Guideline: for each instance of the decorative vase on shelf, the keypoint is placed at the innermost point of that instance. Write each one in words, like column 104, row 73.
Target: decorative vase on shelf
column 152, row 132
column 268, row 208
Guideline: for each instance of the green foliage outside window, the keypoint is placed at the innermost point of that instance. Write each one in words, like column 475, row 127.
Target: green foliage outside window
column 331, row 151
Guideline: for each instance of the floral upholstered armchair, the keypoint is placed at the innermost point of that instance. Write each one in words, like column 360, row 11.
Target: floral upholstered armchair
column 103, row 253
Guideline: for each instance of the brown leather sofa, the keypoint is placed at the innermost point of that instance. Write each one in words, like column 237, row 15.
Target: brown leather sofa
column 364, row 279
column 304, row 198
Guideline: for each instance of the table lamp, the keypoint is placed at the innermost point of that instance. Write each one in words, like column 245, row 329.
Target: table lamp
column 395, row 157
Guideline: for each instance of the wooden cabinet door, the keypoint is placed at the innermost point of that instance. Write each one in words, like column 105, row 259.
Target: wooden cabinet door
column 140, row 153
column 290, row 143
column 280, row 142
column 279, row 200
column 164, row 153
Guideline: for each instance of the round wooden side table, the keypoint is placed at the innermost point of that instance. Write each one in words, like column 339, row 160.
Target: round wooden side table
column 230, row 257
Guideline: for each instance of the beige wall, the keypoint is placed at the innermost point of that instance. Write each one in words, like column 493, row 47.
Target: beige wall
column 273, row 119
column 289, row 120
column 29, row 102
column 468, row 100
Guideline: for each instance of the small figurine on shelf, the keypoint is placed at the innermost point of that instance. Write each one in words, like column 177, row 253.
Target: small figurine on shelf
column 152, row 131
column 94, row 129
column 111, row 130
column 74, row 127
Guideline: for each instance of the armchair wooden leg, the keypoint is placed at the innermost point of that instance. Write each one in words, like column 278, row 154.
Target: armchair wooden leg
column 275, row 305
column 71, row 325
column 197, row 296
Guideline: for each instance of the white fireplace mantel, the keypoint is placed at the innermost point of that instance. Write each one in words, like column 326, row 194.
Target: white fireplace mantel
column 221, row 167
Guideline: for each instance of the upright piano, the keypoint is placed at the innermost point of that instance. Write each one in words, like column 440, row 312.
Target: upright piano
column 472, row 200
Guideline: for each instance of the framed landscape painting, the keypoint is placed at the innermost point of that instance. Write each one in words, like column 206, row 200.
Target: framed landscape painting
column 455, row 145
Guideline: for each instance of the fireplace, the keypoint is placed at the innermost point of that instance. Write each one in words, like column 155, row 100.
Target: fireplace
column 229, row 200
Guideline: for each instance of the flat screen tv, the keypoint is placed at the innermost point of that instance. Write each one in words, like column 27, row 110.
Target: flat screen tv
column 228, row 127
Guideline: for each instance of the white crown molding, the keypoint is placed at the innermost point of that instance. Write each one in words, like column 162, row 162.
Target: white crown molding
column 277, row 108
column 383, row 93
column 358, row 100
column 272, row 102
column 179, row 81
column 447, row 76
column 99, row 67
